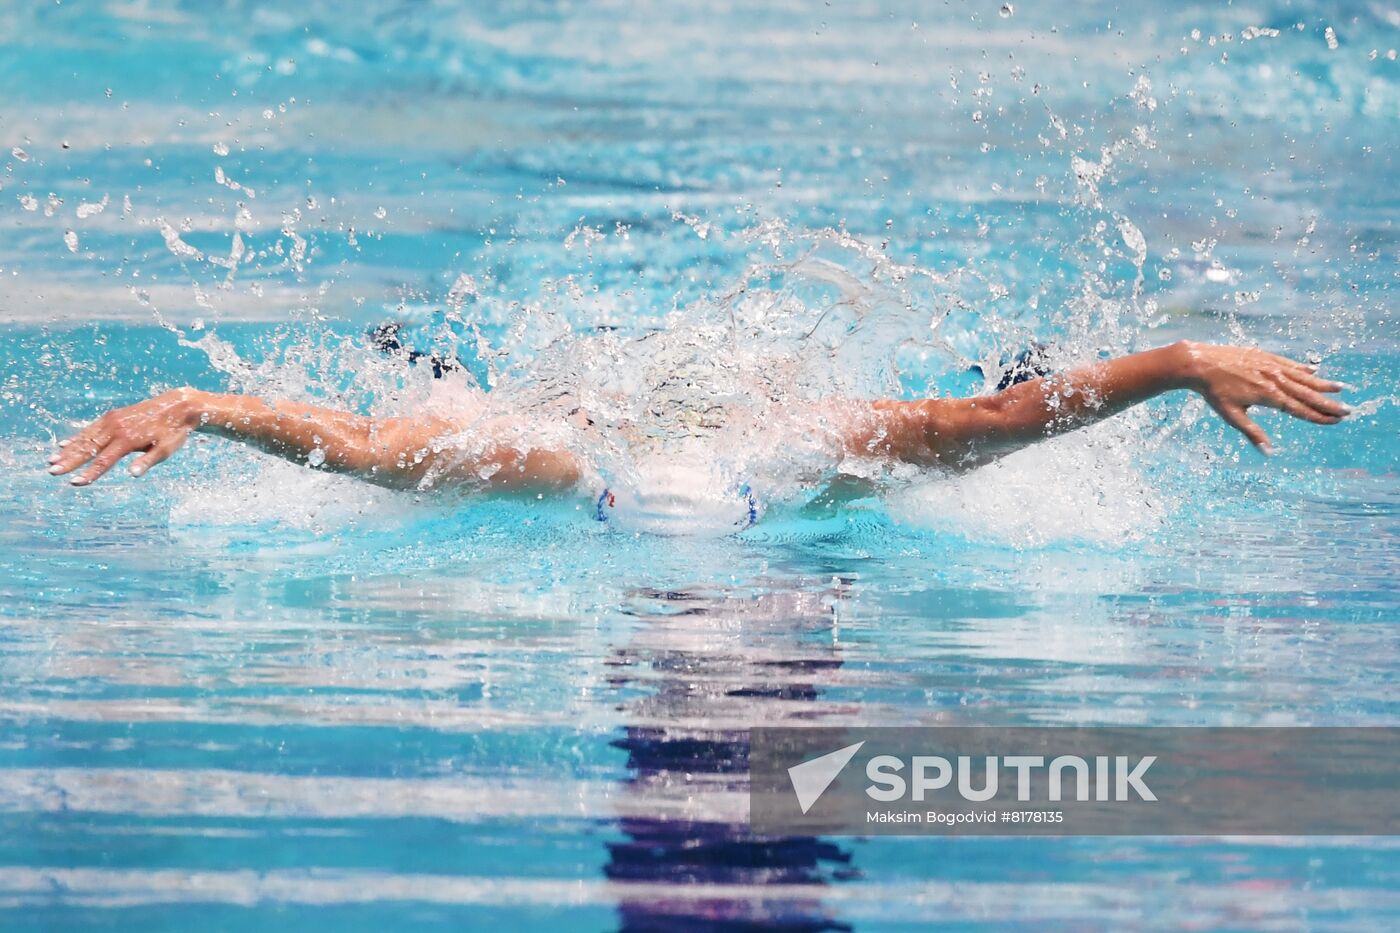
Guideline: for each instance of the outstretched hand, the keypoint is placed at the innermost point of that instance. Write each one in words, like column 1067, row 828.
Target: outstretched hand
column 154, row 428
column 1232, row 379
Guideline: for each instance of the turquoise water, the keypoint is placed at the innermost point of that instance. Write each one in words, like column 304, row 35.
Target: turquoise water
column 241, row 695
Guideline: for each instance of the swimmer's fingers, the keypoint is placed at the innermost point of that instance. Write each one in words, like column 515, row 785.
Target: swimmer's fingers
column 1288, row 397
column 1330, row 408
column 105, row 460
column 158, row 453
column 1316, row 382
column 81, row 447
column 158, row 424
column 1236, row 418
column 1291, row 366
column 1288, row 404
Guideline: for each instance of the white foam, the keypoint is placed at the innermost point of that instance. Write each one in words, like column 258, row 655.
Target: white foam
column 1088, row 487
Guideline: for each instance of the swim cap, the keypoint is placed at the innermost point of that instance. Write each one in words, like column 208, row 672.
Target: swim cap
column 676, row 498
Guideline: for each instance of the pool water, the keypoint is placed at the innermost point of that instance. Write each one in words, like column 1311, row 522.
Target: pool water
column 240, row 694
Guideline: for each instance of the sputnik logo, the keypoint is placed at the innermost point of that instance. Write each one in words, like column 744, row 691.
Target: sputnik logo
column 811, row 778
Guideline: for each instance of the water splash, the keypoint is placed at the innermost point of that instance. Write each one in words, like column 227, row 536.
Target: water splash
column 745, row 383
column 742, row 387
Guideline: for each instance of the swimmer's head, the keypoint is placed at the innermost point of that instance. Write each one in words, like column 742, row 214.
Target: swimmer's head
column 673, row 496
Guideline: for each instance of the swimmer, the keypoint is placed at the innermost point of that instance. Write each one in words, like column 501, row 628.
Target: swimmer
column 478, row 451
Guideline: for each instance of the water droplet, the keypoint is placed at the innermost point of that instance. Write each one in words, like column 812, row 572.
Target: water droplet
column 20, row 154
column 1006, row 10
column 1331, row 35
column 89, row 208
column 177, row 246
column 380, row 213
column 1217, row 273
column 317, row 457
column 221, row 149
column 70, row 239
column 29, row 202
column 1133, row 239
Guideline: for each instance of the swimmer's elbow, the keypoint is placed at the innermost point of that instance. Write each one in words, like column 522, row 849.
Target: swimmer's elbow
column 541, row 470
column 425, row 454
column 996, row 418
column 398, row 452
column 925, row 433
column 963, row 434
column 508, row 470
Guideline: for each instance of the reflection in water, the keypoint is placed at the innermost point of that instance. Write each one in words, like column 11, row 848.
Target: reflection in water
column 711, row 662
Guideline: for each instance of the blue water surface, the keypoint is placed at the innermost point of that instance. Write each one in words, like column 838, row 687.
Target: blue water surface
column 239, row 695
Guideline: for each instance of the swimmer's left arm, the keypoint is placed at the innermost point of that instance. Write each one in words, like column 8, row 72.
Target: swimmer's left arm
column 965, row 433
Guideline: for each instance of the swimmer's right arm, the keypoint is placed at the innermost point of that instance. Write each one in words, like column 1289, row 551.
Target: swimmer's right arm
column 393, row 452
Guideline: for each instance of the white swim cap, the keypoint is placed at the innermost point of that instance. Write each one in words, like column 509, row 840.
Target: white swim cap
column 674, row 496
